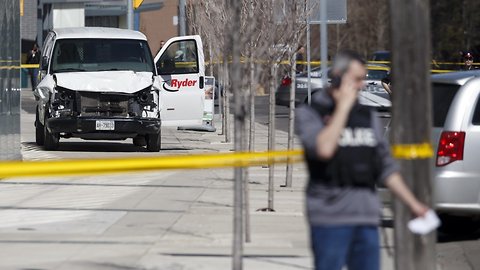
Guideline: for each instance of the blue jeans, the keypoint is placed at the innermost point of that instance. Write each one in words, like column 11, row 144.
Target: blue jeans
column 356, row 246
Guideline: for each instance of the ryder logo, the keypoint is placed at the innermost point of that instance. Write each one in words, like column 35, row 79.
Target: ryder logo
column 176, row 84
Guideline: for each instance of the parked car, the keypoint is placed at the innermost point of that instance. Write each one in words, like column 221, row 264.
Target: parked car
column 372, row 95
column 381, row 56
column 456, row 141
column 103, row 84
column 456, row 134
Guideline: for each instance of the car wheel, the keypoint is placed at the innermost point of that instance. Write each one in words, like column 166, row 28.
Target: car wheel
column 154, row 142
column 458, row 225
column 51, row 141
column 39, row 133
column 139, row 141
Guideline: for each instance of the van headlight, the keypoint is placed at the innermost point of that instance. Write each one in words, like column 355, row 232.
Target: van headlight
column 144, row 102
column 63, row 102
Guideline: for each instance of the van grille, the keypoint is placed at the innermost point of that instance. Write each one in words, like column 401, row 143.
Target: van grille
column 104, row 105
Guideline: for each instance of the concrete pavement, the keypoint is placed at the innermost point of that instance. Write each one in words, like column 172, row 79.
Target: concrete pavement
column 159, row 220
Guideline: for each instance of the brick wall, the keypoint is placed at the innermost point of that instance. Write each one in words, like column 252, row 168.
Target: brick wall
column 158, row 25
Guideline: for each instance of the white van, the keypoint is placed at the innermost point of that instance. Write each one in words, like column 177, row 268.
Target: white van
column 103, row 84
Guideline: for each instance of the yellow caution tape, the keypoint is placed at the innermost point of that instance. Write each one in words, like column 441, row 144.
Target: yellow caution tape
column 21, row 66
column 412, row 151
column 12, row 169
column 30, row 66
column 10, row 67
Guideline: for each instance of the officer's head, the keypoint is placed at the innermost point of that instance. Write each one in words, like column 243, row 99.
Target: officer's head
column 348, row 65
column 468, row 58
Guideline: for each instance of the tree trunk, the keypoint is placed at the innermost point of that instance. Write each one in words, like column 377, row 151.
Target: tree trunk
column 411, row 89
column 234, row 42
column 291, row 118
column 226, row 101
column 271, row 136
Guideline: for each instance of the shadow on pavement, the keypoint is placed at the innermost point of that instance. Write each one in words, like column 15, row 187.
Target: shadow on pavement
column 89, row 146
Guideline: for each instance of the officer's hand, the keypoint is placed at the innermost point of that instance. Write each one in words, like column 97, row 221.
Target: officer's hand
column 419, row 209
column 346, row 95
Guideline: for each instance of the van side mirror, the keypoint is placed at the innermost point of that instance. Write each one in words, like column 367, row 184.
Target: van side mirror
column 44, row 63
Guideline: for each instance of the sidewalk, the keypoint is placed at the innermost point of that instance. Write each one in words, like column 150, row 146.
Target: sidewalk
column 175, row 220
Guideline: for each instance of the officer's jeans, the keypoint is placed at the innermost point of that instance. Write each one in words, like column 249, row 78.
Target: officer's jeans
column 355, row 246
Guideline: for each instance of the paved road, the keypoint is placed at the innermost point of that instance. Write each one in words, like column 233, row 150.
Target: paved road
column 163, row 220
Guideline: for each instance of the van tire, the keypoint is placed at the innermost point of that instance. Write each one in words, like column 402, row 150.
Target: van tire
column 154, row 142
column 39, row 132
column 51, row 141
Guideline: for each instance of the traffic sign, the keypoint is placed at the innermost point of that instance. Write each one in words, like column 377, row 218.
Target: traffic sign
column 137, row 3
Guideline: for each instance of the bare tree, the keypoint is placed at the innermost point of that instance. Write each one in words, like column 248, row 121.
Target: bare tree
column 262, row 33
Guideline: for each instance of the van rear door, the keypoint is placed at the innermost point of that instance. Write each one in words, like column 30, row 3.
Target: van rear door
column 181, row 72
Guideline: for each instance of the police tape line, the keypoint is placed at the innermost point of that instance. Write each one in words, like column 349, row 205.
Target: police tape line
column 20, row 66
column 12, row 169
column 28, row 66
column 412, row 151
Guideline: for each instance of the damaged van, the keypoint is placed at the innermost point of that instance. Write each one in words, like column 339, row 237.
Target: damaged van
column 104, row 84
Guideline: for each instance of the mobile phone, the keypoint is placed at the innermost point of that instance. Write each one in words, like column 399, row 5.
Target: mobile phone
column 336, row 81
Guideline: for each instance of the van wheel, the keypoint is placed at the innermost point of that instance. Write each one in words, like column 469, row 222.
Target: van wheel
column 139, row 141
column 39, row 133
column 154, row 142
column 51, row 141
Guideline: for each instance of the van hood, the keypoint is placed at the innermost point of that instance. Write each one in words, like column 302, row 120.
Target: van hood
column 105, row 81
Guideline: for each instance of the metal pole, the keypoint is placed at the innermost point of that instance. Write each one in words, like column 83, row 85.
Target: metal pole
column 309, row 66
column 182, row 18
column 323, row 40
column 130, row 14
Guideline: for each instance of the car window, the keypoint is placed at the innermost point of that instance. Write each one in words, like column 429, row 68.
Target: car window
column 476, row 113
column 376, row 74
column 443, row 95
column 101, row 55
column 381, row 56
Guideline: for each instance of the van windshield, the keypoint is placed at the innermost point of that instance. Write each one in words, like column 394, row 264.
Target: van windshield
column 77, row 55
column 443, row 95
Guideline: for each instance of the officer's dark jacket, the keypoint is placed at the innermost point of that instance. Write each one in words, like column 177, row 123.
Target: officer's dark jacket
column 356, row 162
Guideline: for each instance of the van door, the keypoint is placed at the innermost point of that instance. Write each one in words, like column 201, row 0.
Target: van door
column 181, row 72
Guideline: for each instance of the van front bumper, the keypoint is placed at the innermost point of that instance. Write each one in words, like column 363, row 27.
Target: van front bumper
column 88, row 125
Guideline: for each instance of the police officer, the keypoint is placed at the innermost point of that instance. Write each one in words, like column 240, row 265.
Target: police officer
column 468, row 60
column 347, row 156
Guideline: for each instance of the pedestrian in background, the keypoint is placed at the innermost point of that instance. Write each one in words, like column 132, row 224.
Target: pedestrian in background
column 387, row 83
column 33, row 57
column 300, row 59
column 347, row 158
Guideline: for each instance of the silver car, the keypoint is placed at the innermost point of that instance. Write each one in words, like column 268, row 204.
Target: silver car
column 373, row 94
column 456, row 134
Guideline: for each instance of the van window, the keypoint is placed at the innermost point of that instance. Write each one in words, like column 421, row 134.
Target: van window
column 443, row 95
column 101, row 55
column 179, row 58
column 476, row 113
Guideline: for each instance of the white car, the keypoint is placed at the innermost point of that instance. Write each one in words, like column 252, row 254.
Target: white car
column 104, row 84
